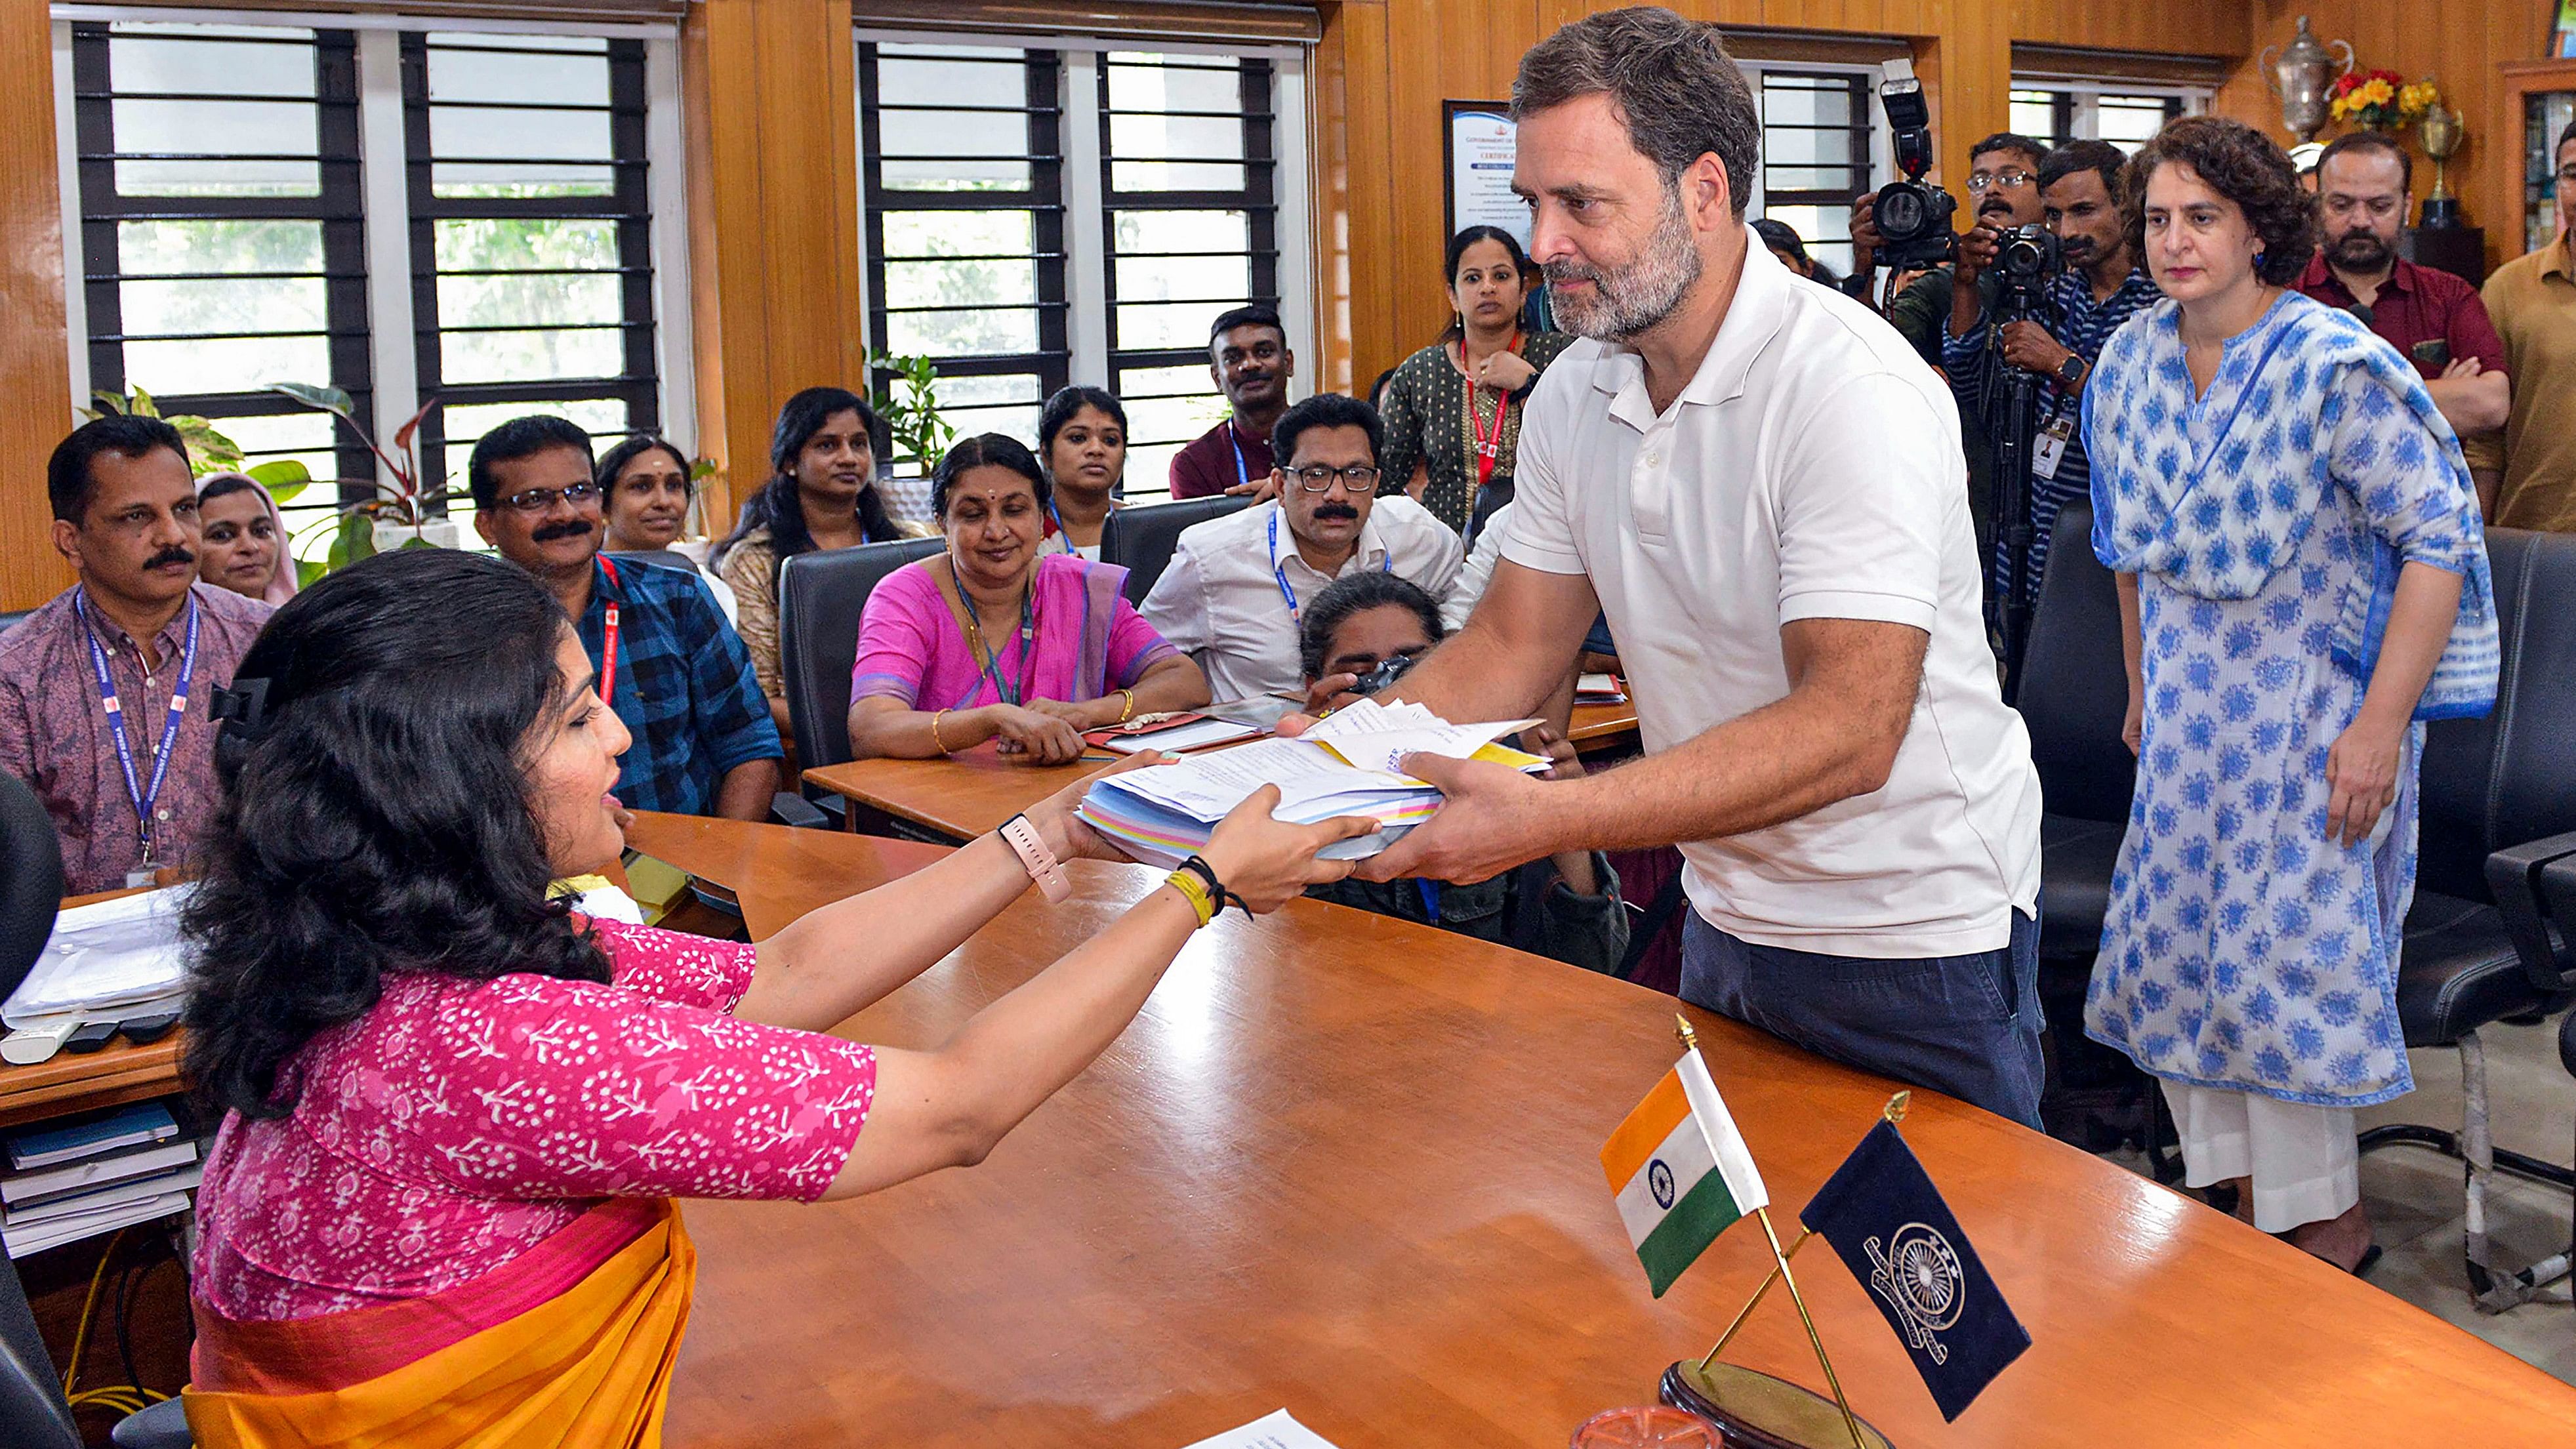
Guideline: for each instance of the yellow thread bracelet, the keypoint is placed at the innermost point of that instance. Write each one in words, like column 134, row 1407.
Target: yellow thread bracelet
column 1194, row 891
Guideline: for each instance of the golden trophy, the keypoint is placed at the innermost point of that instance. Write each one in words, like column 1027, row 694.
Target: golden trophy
column 2443, row 131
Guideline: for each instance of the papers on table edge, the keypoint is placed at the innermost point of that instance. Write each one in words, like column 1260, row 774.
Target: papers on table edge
column 1278, row 1430
column 1345, row 765
column 95, row 1173
column 103, row 956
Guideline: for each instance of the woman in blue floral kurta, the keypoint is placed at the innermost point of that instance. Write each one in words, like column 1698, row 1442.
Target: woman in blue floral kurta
column 2304, row 580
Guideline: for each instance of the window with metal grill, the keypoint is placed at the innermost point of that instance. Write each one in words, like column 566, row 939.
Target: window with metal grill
column 2058, row 114
column 531, row 236
column 1191, row 221
column 965, row 231
column 222, row 242
column 1815, row 156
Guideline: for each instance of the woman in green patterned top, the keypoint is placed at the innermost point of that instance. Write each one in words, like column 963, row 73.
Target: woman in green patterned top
column 1453, row 410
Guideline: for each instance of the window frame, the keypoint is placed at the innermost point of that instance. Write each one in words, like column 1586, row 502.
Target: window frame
column 386, row 276
column 2075, row 101
column 1869, row 120
column 1088, row 256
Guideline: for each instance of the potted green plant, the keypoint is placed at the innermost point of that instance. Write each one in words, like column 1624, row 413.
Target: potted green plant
column 398, row 516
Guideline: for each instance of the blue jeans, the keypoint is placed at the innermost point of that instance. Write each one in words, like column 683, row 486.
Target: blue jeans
column 1966, row 1025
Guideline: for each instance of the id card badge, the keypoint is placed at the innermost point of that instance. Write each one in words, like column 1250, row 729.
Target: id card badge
column 2048, row 446
column 142, row 879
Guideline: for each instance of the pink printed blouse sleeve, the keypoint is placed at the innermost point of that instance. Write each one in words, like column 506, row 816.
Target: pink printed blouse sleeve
column 532, row 1087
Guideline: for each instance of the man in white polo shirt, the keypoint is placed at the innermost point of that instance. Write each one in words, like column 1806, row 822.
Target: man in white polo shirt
column 1236, row 585
column 1761, row 484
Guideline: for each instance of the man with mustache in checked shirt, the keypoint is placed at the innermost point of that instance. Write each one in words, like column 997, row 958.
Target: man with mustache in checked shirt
column 673, row 669
column 1237, row 585
column 103, row 691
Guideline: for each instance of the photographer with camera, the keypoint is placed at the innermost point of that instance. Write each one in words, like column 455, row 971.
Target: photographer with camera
column 2097, row 286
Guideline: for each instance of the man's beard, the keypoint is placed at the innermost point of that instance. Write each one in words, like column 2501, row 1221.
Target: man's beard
column 2360, row 251
column 1634, row 298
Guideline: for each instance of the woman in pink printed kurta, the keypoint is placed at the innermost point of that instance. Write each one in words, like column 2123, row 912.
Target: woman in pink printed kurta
column 439, row 1206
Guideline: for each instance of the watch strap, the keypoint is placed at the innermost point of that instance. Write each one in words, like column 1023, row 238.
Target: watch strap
column 1042, row 866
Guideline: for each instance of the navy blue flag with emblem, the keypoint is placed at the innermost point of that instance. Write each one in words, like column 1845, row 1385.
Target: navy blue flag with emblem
column 1889, row 1226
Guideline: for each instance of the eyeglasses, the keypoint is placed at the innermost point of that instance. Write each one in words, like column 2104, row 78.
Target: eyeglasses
column 2013, row 180
column 1357, row 478
column 538, row 500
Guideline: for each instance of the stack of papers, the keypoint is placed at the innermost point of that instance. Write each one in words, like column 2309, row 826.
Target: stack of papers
column 106, row 961
column 1348, row 764
column 1196, row 732
column 1600, row 689
column 94, row 1174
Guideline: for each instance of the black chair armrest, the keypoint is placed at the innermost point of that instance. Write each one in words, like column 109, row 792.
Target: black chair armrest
column 2514, row 877
column 789, row 808
column 163, row 1426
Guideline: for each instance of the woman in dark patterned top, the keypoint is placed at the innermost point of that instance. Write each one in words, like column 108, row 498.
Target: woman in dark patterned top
column 1453, row 410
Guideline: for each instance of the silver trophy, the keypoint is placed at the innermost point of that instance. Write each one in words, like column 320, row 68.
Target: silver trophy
column 2300, row 77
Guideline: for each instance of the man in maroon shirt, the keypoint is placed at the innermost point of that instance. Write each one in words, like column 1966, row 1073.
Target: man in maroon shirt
column 2431, row 316
column 132, row 791
column 1249, row 357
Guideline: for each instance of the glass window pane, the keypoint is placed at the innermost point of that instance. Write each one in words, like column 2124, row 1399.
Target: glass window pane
column 1174, row 176
column 227, row 365
column 2127, row 121
column 449, row 180
column 1188, row 138
column 1005, row 404
column 1181, row 231
column 1148, row 87
column 1798, row 101
column 1191, row 380
column 541, row 300
column 958, row 233
column 464, row 133
column 961, row 284
column 218, row 128
column 206, row 66
column 1196, row 279
column 256, row 304
column 951, row 76
column 1157, row 325
column 1169, row 420
column 490, row 243
column 530, row 356
column 1825, row 229
column 145, row 248
column 491, row 75
column 962, row 332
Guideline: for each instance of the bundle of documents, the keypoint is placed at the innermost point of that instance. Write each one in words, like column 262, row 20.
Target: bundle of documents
column 93, row 1174
column 105, row 961
column 1600, row 689
column 1348, row 764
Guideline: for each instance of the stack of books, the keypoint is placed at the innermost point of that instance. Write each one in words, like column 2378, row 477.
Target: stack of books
column 1345, row 765
column 78, row 1176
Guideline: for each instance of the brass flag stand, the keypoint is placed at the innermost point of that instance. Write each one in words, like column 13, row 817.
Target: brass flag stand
column 1759, row 1410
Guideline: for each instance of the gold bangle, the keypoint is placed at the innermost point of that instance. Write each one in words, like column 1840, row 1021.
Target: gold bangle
column 935, row 742
column 1194, row 891
column 1129, row 712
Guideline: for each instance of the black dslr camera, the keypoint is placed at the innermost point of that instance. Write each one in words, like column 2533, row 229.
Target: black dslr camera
column 2027, row 256
column 1388, row 671
column 1913, row 216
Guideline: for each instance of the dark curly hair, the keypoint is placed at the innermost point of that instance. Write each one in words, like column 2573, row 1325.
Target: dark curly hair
column 2243, row 165
column 374, row 819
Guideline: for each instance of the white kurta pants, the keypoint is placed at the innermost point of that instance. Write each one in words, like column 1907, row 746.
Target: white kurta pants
column 2305, row 1161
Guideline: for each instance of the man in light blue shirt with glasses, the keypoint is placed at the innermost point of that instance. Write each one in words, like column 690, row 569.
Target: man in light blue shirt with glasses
column 1237, row 585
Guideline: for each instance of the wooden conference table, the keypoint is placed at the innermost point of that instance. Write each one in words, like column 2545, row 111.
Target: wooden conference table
column 974, row 791
column 1347, row 1166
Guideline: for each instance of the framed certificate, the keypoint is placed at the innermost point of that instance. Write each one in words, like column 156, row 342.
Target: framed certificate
column 1476, row 138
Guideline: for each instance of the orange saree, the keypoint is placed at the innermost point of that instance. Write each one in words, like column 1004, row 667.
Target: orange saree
column 519, row 1357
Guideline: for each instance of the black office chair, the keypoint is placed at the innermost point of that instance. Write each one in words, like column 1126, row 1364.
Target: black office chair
column 2498, row 807
column 2074, row 697
column 1140, row 539
column 821, row 596
column 659, row 558
column 33, row 1412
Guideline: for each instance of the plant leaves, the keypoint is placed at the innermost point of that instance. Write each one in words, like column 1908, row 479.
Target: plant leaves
column 328, row 399
column 356, row 538
column 142, row 406
column 309, row 571
column 403, row 434
column 282, row 477
column 416, row 541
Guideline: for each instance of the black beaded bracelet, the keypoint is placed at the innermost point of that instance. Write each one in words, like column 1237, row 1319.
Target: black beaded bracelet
column 1217, row 892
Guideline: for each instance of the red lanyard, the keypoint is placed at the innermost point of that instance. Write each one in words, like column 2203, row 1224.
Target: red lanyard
column 1489, row 450
column 608, row 644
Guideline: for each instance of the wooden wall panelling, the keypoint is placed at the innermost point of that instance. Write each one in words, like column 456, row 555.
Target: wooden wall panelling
column 35, row 372
column 2460, row 46
column 778, row 195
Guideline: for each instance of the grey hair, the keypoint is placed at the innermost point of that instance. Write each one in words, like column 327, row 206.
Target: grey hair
column 1676, row 89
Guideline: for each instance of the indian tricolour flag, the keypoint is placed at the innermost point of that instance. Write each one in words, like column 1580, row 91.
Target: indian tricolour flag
column 1680, row 1171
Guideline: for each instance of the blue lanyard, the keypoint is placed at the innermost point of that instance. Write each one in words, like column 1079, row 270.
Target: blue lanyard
column 143, row 796
column 1430, row 899
column 1279, row 572
column 1234, row 445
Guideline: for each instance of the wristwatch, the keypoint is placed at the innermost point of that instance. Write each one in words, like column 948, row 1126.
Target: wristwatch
column 2071, row 371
